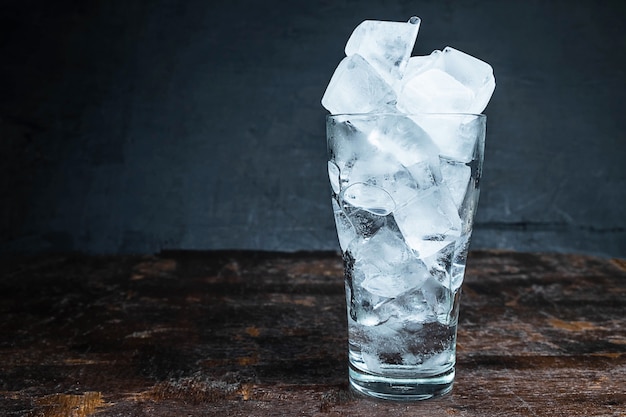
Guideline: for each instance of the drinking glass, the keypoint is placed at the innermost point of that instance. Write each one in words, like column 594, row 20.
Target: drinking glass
column 404, row 194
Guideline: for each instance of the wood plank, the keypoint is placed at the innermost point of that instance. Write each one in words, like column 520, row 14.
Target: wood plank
column 260, row 334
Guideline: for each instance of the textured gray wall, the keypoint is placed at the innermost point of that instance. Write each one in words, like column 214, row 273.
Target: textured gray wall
column 131, row 126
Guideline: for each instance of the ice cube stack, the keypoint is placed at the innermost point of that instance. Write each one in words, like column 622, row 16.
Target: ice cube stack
column 379, row 74
column 399, row 194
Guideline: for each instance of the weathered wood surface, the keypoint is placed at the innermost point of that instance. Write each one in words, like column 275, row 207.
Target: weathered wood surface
column 262, row 334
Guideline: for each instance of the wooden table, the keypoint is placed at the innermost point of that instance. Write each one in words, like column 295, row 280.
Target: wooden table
column 264, row 334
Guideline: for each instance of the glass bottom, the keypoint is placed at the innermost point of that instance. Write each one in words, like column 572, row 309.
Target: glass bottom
column 401, row 389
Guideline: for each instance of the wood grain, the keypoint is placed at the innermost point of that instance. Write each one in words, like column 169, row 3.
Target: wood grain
column 264, row 334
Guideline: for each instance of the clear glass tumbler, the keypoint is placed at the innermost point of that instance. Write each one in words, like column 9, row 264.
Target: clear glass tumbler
column 404, row 194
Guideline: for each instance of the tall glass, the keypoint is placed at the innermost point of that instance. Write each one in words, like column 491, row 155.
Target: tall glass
column 404, row 194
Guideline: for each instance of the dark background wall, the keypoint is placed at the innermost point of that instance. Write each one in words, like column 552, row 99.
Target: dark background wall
column 136, row 126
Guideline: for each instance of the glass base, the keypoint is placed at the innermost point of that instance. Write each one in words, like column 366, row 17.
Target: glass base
column 401, row 389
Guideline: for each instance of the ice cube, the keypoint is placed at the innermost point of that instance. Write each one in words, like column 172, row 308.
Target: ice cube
column 439, row 299
column 376, row 169
column 347, row 147
column 431, row 245
column 389, row 266
column 399, row 183
column 439, row 264
column 365, row 223
column 459, row 260
column 364, row 306
column 475, row 74
column 425, row 173
column 371, row 360
column 341, row 137
column 369, row 198
column 456, row 275
column 387, row 46
column 346, row 232
column 410, row 306
column 448, row 81
column 438, row 360
column 434, row 91
column 402, row 138
column 356, row 87
column 396, row 280
column 456, row 177
column 430, row 221
column 454, row 135
column 398, row 157
column 468, row 208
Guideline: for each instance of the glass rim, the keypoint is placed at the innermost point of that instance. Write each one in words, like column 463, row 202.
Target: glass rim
column 387, row 113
